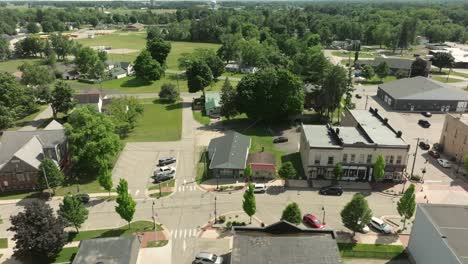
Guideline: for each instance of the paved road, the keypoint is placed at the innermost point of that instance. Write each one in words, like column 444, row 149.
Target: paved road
column 38, row 120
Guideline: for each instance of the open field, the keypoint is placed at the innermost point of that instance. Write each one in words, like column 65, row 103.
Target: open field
column 445, row 80
column 371, row 251
column 362, row 55
column 200, row 117
column 136, row 227
column 12, row 65
column 159, row 122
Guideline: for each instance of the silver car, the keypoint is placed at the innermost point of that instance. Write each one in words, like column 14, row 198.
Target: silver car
column 162, row 171
column 380, row 225
column 207, row 258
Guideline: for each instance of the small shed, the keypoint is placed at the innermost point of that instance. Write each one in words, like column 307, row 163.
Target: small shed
column 263, row 165
column 213, row 104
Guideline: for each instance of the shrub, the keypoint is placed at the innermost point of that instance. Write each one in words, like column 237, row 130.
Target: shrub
column 222, row 219
column 229, row 224
column 169, row 92
column 416, row 178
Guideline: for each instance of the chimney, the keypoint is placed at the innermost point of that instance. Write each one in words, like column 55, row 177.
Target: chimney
column 399, row 134
column 385, row 121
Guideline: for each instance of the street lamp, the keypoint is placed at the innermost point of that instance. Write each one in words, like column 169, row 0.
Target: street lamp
column 153, row 216
column 323, row 218
column 215, row 211
column 424, row 170
column 217, row 182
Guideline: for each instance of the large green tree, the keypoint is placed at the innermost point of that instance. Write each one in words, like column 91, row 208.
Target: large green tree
column 74, row 211
column 61, row 98
column 382, row 70
column 419, row 68
column 333, row 88
column 228, row 100
column 105, row 180
column 147, row 68
column 38, row 234
column 199, row 76
column 125, row 203
column 159, row 49
column 267, row 88
column 4, row 49
column 406, row 206
column 249, row 204
column 17, row 100
column 208, row 56
column 287, row 171
column 356, row 214
column 50, row 175
column 367, row 71
column 169, row 92
column 61, row 45
column 124, row 113
column 311, row 65
column 443, row 60
column 379, row 168
column 292, row 213
column 93, row 143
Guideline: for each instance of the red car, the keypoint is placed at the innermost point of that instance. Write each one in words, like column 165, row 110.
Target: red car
column 313, row 221
column 434, row 154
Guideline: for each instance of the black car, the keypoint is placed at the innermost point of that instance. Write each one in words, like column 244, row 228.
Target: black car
column 358, row 96
column 331, row 190
column 424, row 123
column 426, row 114
column 163, row 178
column 423, row 145
column 166, row 161
column 280, row 140
column 83, row 197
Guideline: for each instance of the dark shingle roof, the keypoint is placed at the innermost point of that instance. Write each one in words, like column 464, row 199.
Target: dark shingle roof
column 262, row 157
column 422, row 88
column 87, row 98
column 284, row 243
column 112, row 250
column 229, row 151
column 393, row 63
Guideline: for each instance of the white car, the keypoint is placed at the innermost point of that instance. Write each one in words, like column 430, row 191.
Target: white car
column 380, row 225
column 207, row 258
column 444, row 163
column 164, row 170
column 365, row 229
column 259, row 188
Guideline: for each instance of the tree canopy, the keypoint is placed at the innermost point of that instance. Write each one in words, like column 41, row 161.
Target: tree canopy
column 61, row 98
column 199, row 75
column 50, row 174
column 125, row 203
column 287, row 171
column 379, row 168
column 406, row 206
column 356, row 214
column 443, row 60
column 73, row 211
column 249, row 204
column 228, row 100
column 159, row 49
column 292, row 213
column 147, row 68
column 419, row 68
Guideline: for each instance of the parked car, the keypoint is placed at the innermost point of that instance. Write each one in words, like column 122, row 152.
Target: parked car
column 83, row 197
column 434, row 154
column 424, row 123
column 163, row 171
column 426, row 114
column 207, row 258
column 365, row 229
column 166, row 161
column 312, row 221
column 380, row 225
column 331, row 190
column 358, row 96
column 423, row 145
column 437, row 147
column 444, row 163
column 164, row 177
column 260, row 188
column 280, row 140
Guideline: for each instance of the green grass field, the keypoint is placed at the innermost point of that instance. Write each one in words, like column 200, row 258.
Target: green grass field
column 362, row 55
column 136, row 227
column 66, row 255
column 445, row 80
column 376, row 80
column 377, row 251
column 12, row 65
column 160, row 122
column 25, row 120
column 200, row 117
column 3, row 243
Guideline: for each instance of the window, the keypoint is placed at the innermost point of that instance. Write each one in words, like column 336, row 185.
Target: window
column 391, row 159
column 353, row 158
column 317, row 159
column 361, row 158
column 330, row 160
column 369, row 158
column 387, row 158
column 345, row 158
column 398, row 160
column 464, row 142
column 456, row 132
column 20, row 176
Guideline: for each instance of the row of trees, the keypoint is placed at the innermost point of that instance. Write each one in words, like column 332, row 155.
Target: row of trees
column 150, row 64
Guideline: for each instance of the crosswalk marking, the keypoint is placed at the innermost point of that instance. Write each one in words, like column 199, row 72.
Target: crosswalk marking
column 186, row 188
column 185, row 233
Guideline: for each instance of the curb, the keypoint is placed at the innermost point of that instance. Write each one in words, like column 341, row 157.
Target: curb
column 220, row 192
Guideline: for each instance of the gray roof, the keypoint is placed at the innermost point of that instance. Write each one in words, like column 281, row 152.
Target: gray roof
column 454, row 227
column 229, row 151
column 421, row 88
column 317, row 136
column 393, row 63
column 284, row 243
column 112, row 250
column 17, row 142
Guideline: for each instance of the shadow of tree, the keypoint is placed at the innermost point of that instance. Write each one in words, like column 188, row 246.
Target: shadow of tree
column 295, row 159
column 135, row 82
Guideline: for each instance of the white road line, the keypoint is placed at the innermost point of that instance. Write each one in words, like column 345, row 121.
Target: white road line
column 137, row 192
column 185, row 233
column 175, row 234
column 184, row 245
column 194, row 232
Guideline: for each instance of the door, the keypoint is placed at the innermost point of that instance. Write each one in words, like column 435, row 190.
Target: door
column 461, row 106
column 411, row 107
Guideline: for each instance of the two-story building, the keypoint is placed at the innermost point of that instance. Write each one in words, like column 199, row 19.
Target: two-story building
column 356, row 144
column 454, row 137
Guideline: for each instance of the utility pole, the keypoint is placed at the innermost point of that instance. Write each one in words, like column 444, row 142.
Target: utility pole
column 367, row 98
column 323, row 219
column 415, row 153
column 215, row 219
column 45, row 177
column 153, row 216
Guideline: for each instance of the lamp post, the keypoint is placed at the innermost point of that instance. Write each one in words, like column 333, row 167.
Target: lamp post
column 153, row 216
column 323, row 218
column 160, row 191
column 423, row 170
column 215, row 217
column 217, row 182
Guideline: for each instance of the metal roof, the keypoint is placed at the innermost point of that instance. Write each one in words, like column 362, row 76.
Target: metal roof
column 421, row 88
column 112, row 250
column 212, row 100
column 229, row 151
column 317, row 136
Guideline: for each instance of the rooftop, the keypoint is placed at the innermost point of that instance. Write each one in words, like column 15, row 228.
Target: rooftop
column 212, row 100
column 284, row 242
column 112, row 250
column 453, row 229
column 229, row 151
column 421, row 88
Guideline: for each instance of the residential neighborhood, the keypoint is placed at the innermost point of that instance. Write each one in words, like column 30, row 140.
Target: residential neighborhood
column 246, row 132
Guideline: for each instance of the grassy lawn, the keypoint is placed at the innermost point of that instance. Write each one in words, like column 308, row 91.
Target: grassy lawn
column 160, row 243
column 12, row 65
column 170, row 183
column 3, row 243
column 136, row 227
column 66, row 255
column 376, row 80
column 200, row 117
column 445, row 72
column 18, row 195
column 202, row 174
column 25, row 120
column 362, row 55
column 445, row 80
column 377, row 251
column 159, row 122
column 235, row 75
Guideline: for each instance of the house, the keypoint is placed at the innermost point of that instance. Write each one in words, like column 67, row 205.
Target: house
column 115, row 250
column 21, row 153
column 356, row 144
column 439, row 234
column 233, row 66
column 118, row 73
column 134, row 27
column 394, row 64
column 67, row 71
column 213, row 104
column 454, row 137
column 347, row 44
column 459, row 55
column 283, row 242
column 263, row 165
column 92, row 98
column 228, row 155
column 422, row 94
column 119, row 69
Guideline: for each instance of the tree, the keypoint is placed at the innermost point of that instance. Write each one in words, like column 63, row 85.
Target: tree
column 105, row 180
column 74, row 211
column 153, row 32
column 248, row 171
column 207, row 56
column 311, row 65
column 228, row 100
column 86, row 61
column 6, row 117
column 400, row 74
column 61, row 100
column 419, row 68
column 287, row 171
column 248, row 204
column 382, row 70
column 126, row 204
column 124, row 113
column 92, row 141
column 102, row 54
column 265, row 88
column 147, row 68
column 406, row 206
column 443, row 60
column 17, row 99
column 29, row 46
column 50, row 175
column 367, row 72
column 33, row 28
column 159, row 49
column 230, row 48
column 38, row 233
column 51, row 58
column 382, row 34
column 61, row 45
column 35, row 76
column 292, row 213
column 338, row 171
column 356, row 214
column 169, row 92
column 379, row 168
column 199, row 76
column 333, row 87
column 4, row 49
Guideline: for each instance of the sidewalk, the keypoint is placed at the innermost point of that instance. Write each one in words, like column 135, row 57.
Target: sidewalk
column 58, row 198
column 227, row 184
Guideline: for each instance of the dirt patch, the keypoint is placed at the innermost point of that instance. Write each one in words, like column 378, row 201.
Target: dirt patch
column 121, row 51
